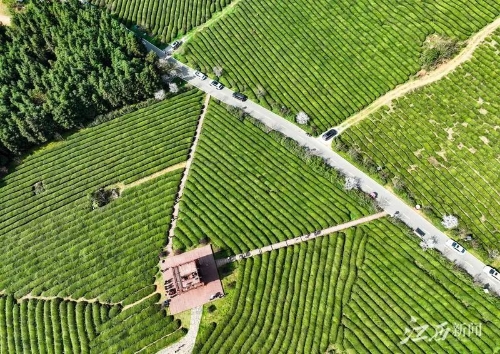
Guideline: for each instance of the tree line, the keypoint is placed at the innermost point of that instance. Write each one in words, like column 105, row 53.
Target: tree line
column 61, row 65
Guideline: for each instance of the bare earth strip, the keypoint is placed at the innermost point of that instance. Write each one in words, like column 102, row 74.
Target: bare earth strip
column 443, row 70
column 66, row 298
column 300, row 239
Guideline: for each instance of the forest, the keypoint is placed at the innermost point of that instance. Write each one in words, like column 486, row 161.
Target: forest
column 61, row 65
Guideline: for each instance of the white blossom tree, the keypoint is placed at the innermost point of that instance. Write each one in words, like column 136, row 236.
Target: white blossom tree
column 218, row 70
column 302, row 117
column 450, row 221
column 160, row 94
column 351, row 183
column 172, row 87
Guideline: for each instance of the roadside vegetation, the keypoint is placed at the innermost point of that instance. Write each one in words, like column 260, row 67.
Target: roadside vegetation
column 248, row 188
column 327, row 59
column 163, row 20
column 57, row 245
column 354, row 290
column 440, row 147
column 62, row 64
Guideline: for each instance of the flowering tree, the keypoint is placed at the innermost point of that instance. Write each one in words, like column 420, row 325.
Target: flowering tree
column 450, row 221
column 172, row 87
column 217, row 70
column 302, row 118
column 160, row 94
column 351, row 183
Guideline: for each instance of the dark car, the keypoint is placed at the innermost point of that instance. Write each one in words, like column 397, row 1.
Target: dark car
column 240, row 96
column 420, row 232
column 329, row 134
column 176, row 44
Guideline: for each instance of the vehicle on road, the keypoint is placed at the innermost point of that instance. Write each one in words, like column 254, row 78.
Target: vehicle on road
column 217, row 85
column 240, row 96
column 456, row 246
column 420, row 233
column 492, row 272
column 200, row 75
column 329, row 134
column 176, row 44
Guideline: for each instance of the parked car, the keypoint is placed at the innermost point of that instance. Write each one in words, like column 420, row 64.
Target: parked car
column 200, row 75
column 217, row 85
column 456, row 246
column 329, row 134
column 492, row 272
column 176, row 44
column 420, row 233
column 240, row 96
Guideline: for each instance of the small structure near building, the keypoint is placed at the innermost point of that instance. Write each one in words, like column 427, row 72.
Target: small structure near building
column 191, row 279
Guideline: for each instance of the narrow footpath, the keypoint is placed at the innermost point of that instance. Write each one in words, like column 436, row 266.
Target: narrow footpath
column 300, row 239
column 186, row 344
column 185, row 175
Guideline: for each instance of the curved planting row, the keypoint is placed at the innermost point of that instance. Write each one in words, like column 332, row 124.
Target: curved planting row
column 442, row 143
column 123, row 150
column 54, row 326
column 290, row 300
column 143, row 328
column 110, row 253
column 247, row 190
column 56, row 245
column 355, row 291
column 399, row 283
column 329, row 59
column 167, row 19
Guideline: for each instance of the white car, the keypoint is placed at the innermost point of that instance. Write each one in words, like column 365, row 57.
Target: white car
column 492, row 271
column 217, row 85
column 200, row 75
column 455, row 246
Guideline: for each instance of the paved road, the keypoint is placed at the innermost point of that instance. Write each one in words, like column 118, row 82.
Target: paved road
column 186, row 344
column 409, row 215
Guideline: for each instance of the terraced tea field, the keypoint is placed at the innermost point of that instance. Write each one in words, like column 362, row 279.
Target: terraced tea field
column 166, row 19
column 327, row 58
column 357, row 289
column 54, row 326
column 57, row 326
column 440, row 146
column 248, row 189
column 56, row 245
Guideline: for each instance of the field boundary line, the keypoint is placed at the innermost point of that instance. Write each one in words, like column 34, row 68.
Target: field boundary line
column 294, row 241
column 433, row 76
column 185, row 175
column 29, row 296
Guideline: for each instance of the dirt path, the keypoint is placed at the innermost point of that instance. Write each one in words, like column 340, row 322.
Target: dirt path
column 443, row 70
column 66, row 298
column 185, row 175
column 126, row 307
column 300, row 239
column 122, row 186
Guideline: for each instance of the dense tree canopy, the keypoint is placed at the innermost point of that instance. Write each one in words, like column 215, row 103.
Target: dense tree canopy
column 63, row 63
